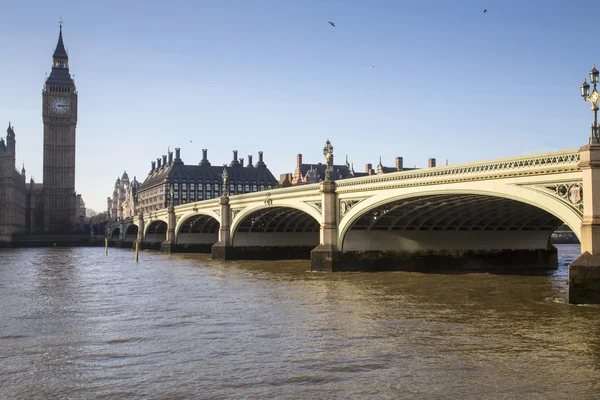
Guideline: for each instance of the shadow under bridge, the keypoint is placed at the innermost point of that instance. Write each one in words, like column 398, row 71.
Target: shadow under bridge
column 276, row 233
column 198, row 233
column 451, row 222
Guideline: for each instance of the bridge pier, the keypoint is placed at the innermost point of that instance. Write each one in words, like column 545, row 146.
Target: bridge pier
column 168, row 246
column 222, row 250
column 584, row 272
column 326, row 256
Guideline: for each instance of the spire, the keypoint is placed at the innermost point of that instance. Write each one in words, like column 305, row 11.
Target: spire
column 60, row 51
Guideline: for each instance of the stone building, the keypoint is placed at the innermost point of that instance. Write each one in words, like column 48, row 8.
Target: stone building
column 314, row 173
column 124, row 197
column 200, row 182
column 59, row 115
column 12, row 189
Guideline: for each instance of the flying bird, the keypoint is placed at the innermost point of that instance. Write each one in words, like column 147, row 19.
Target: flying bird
column 370, row 67
column 485, row 10
column 332, row 24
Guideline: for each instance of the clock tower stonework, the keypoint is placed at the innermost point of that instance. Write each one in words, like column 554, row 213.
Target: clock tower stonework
column 59, row 114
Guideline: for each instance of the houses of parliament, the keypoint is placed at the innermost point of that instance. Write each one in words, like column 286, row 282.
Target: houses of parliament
column 52, row 206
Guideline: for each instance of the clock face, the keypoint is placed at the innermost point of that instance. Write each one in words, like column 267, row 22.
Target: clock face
column 60, row 105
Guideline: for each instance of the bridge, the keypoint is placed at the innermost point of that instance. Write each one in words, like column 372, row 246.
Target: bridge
column 499, row 212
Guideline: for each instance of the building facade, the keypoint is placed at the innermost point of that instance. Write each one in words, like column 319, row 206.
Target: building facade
column 59, row 115
column 190, row 183
column 314, row 173
column 124, row 198
column 52, row 206
column 12, row 189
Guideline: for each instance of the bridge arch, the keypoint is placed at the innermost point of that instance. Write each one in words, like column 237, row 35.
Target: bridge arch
column 156, row 231
column 131, row 231
column 197, row 228
column 276, row 225
column 478, row 213
column 115, row 233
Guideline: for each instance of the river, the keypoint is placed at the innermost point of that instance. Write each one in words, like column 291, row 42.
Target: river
column 77, row 324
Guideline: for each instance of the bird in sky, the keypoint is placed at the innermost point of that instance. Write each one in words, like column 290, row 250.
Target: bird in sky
column 332, row 24
column 190, row 141
column 484, row 10
column 370, row 67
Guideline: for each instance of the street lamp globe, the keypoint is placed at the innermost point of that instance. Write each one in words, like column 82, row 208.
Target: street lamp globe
column 594, row 75
column 585, row 89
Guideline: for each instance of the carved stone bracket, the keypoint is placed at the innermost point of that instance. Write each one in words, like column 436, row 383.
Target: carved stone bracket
column 268, row 200
column 316, row 204
column 346, row 205
column 570, row 193
column 235, row 212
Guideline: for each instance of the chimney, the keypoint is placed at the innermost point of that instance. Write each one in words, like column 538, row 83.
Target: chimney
column 298, row 160
column 250, row 161
column 177, row 154
column 170, row 158
column 260, row 162
column 431, row 163
column 399, row 164
column 164, row 161
column 242, row 162
column 204, row 158
column 368, row 168
column 158, row 162
column 153, row 166
column 235, row 161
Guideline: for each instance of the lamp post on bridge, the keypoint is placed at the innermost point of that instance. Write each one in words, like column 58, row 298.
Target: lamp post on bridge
column 593, row 98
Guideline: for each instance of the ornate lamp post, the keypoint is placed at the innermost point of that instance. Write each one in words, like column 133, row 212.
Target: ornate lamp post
column 593, row 98
column 172, row 194
column 224, row 176
column 328, row 153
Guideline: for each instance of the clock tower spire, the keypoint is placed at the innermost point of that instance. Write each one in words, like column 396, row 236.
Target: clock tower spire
column 59, row 114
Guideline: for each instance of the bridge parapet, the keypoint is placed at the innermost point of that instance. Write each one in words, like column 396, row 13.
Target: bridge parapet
column 545, row 163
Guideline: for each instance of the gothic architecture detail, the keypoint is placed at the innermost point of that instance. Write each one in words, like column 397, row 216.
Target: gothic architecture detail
column 59, row 115
column 124, row 195
column 12, row 189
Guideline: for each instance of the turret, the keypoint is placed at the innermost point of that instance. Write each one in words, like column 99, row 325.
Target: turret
column 60, row 64
column 11, row 143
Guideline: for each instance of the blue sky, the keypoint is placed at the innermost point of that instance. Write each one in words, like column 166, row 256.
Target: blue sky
column 449, row 81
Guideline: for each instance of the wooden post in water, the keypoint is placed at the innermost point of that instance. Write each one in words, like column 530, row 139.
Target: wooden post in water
column 137, row 251
column 106, row 245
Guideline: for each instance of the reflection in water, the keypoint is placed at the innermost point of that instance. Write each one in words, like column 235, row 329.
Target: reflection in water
column 78, row 324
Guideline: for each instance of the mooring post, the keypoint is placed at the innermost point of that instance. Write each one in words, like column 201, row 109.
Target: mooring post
column 140, row 233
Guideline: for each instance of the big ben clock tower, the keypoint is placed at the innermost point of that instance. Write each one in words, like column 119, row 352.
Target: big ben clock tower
column 59, row 114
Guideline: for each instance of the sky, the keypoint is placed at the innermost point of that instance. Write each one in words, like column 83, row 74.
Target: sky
column 448, row 81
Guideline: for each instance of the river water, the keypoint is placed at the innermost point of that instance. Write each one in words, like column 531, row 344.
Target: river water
column 77, row 324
